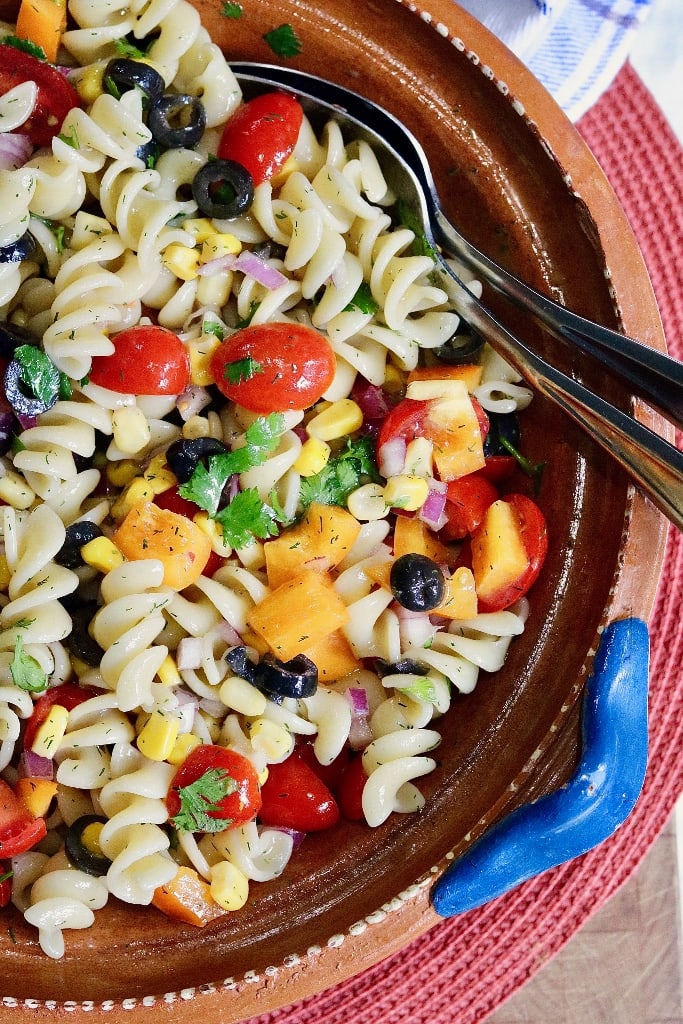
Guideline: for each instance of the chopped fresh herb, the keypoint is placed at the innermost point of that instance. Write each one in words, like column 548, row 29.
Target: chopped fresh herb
column 38, row 372
column 408, row 218
column 283, row 41
column 241, row 370
column 24, row 44
column 205, row 486
column 344, row 472
column 247, row 517
column 214, row 328
column 202, row 798
column 71, row 139
column 65, row 387
column 232, row 10
column 420, row 688
column 534, row 470
column 126, row 49
column 26, row 672
column 6, row 875
column 111, row 87
column 250, row 315
column 363, row 300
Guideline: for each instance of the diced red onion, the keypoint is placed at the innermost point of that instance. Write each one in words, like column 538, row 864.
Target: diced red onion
column 27, row 421
column 228, row 633
column 186, row 710
column 297, row 836
column 359, row 733
column 372, row 401
column 189, row 653
column 251, row 264
column 433, row 512
column 217, row 266
column 192, row 401
column 391, row 457
column 215, row 708
column 15, row 149
column 34, row 766
column 357, row 697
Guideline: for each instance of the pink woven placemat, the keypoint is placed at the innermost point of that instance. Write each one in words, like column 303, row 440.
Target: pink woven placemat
column 460, row 971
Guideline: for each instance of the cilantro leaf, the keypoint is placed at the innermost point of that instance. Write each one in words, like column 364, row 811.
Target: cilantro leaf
column 24, row 44
column 343, row 474
column 246, row 517
column 283, row 41
column 127, row 49
column 230, row 10
column 38, row 373
column 205, row 486
column 201, row 799
column 214, row 328
column 241, row 370
column 26, row 672
column 421, row 245
column 363, row 300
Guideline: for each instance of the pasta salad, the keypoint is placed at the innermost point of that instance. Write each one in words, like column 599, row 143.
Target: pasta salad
column 261, row 512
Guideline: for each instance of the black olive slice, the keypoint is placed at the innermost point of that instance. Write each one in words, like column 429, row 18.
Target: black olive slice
column 21, row 249
column 12, row 336
column 79, row 852
column 463, row 347
column 417, row 582
column 223, row 189
column 177, row 121
column 502, row 426
column 79, row 642
column 126, row 74
column 184, row 456
column 296, row 678
column 77, row 534
column 406, row 666
column 22, row 401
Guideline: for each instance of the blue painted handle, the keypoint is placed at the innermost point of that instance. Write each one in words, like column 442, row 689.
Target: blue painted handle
column 591, row 806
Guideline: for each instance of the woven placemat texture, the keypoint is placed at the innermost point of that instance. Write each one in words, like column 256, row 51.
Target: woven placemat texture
column 460, row 971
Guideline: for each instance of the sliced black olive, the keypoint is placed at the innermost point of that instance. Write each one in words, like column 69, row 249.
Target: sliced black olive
column 21, row 249
column 406, row 666
column 502, row 425
column 82, row 850
column 12, row 336
column 148, row 153
column 464, row 346
column 177, row 121
column 79, row 641
column 184, row 456
column 239, row 661
column 77, row 534
column 279, row 679
column 223, row 189
column 126, row 74
column 417, row 582
column 24, row 402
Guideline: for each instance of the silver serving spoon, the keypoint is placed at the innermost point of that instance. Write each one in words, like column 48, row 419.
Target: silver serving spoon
column 654, row 464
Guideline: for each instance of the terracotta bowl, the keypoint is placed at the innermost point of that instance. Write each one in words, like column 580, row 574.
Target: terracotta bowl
column 516, row 176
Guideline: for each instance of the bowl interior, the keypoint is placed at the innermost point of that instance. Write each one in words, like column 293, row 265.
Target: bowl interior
column 499, row 182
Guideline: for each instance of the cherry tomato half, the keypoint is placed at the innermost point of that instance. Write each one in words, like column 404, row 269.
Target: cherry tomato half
column 147, row 360
column 19, row 830
column 534, row 533
column 294, row 797
column 274, row 367
column 56, row 96
column 235, row 809
column 5, row 883
column 68, row 695
column 262, row 134
column 467, row 499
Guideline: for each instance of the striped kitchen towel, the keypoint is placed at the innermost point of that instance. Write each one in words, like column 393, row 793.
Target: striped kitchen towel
column 575, row 47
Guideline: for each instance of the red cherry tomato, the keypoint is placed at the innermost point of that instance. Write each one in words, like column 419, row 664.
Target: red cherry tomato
column 56, row 96
column 19, row 830
column 534, row 531
column 235, row 809
column 262, row 134
column 349, row 792
column 274, row 367
column 330, row 774
column 498, row 468
column 294, row 797
column 409, row 420
column 5, row 883
column 147, row 360
column 174, row 502
column 467, row 499
column 68, row 695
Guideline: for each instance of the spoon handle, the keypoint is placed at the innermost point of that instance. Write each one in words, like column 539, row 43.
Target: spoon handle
column 653, row 376
column 654, row 464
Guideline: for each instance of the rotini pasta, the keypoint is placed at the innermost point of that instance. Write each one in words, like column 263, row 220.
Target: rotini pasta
column 240, row 469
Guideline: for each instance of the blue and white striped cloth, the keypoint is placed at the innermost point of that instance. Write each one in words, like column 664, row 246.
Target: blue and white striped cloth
column 575, row 47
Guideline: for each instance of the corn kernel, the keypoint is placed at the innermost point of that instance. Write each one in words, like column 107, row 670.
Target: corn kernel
column 168, row 673
column 338, row 420
column 157, row 738
column 313, row 457
column 131, row 429
column 183, row 747
column 88, row 227
column 102, row 554
column 405, row 491
column 290, row 165
column 181, row 261
column 220, row 244
column 241, row 696
column 15, row 491
column 138, row 490
column 120, row 474
column 200, row 228
column 229, row 886
column 270, row 739
column 201, row 351
column 5, row 574
column 90, row 837
column 51, row 732
column 89, row 84
column 214, row 532
column 159, row 475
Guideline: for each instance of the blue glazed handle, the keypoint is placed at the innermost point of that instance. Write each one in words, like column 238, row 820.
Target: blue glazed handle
column 591, row 806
